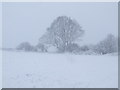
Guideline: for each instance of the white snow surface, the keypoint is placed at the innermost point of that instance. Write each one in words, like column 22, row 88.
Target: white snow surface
column 43, row 70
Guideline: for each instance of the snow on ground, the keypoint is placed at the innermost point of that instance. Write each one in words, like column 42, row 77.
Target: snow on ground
column 42, row 70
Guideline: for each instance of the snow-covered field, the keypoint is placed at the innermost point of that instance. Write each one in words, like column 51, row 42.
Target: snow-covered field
column 42, row 70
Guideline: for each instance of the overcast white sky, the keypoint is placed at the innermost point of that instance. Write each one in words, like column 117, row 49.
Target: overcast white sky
column 28, row 21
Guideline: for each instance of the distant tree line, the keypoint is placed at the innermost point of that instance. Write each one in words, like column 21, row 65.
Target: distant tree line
column 63, row 33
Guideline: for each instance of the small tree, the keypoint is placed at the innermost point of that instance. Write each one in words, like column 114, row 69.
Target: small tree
column 62, row 32
column 84, row 48
column 73, row 47
column 25, row 46
column 41, row 48
column 108, row 45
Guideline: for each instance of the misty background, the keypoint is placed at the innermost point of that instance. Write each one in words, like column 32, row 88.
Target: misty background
column 29, row 21
column 55, row 59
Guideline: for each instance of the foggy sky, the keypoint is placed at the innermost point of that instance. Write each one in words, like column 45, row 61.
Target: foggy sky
column 28, row 21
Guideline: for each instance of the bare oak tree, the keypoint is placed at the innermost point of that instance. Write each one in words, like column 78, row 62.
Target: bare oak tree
column 62, row 32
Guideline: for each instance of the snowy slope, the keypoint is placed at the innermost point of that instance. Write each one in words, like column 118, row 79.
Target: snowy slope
column 42, row 70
